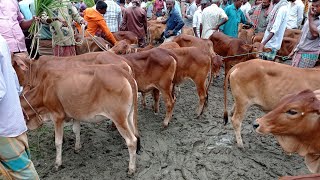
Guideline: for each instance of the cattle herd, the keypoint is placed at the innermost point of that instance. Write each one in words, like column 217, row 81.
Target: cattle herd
column 96, row 86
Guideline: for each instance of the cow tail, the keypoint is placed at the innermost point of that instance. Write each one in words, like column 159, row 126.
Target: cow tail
column 225, row 115
column 148, row 35
column 135, row 114
column 210, row 80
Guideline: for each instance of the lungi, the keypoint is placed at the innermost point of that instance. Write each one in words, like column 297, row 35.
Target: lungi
column 63, row 51
column 15, row 158
column 305, row 59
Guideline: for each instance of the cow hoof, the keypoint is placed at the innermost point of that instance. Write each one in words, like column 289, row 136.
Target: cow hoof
column 131, row 172
column 56, row 168
column 165, row 125
column 240, row 146
column 155, row 113
column 77, row 151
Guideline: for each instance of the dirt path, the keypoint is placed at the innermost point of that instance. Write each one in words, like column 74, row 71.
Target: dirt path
column 189, row 149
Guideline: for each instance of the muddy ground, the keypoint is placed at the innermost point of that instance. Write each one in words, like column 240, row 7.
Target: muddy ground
column 188, row 149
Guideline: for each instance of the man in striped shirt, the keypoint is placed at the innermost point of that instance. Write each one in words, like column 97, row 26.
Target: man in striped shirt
column 113, row 16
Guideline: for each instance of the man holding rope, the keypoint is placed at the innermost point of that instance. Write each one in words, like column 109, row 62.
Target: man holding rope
column 15, row 162
column 306, row 54
column 63, row 40
column 273, row 36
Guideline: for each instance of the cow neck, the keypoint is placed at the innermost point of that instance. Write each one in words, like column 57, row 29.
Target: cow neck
column 39, row 118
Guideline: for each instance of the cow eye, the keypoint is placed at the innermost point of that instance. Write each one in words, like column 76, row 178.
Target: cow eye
column 292, row 112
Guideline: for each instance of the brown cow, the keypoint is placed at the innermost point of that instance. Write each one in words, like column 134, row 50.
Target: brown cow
column 234, row 47
column 246, row 35
column 154, row 70
column 264, row 83
column 194, row 64
column 83, row 94
column 169, row 45
column 92, row 44
column 295, row 122
column 293, row 33
column 154, row 31
column 187, row 31
column 184, row 40
column 122, row 47
column 129, row 36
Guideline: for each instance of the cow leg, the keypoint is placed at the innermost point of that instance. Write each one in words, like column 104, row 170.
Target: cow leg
column 76, row 129
column 143, row 100
column 201, row 88
column 168, row 98
column 156, row 97
column 240, row 108
column 58, row 130
column 131, row 141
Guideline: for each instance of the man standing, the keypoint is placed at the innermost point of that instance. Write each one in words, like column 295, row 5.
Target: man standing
column 15, row 162
column 245, row 8
column 135, row 20
column 96, row 22
column 12, row 23
column 212, row 18
column 295, row 15
column 191, row 9
column 174, row 22
column 224, row 4
column 113, row 16
column 277, row 22
column 63, row 41
column 197, row 18
column 307, row 51
column 259, row 14
column 235, row 16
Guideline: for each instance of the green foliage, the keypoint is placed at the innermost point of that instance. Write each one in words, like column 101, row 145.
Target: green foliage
column 89, row 3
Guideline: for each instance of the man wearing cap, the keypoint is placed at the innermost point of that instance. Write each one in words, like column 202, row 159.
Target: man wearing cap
column 174, row 22
column 212, row 18
column 306, row 54
column 135, row 20
column 235, row 16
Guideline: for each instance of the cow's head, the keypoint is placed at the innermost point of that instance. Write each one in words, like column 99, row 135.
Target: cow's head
column 296, row 115
column 123, row 47
column 21, row 63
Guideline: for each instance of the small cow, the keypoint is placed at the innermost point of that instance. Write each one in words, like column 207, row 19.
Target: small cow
column 154, row 31
column 154, row 70
column 122, row 47
column 129, row 36
column 264, row 83
column 295, row 122
column 92, row 44
column 82, row 94
column 234, row 47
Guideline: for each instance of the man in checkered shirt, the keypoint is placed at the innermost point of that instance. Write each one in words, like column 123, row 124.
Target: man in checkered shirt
column 113, row 16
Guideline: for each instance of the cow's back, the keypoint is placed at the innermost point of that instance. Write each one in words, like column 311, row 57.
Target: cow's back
column 265, row 83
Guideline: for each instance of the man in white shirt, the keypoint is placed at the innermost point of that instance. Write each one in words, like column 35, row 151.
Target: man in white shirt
column 245, row 8
column 113, row 16
column 15, row 162
column 191, row 9
column 212, row 18
column 197, row 18
column 273, row 36
column 295, row 15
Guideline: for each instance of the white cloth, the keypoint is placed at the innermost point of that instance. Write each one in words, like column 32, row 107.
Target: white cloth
column 197, row 20
column 12, row 123
column 295, row 15
column 245, row 8
column 278, row 29
column 211, row 17
column 113, row 16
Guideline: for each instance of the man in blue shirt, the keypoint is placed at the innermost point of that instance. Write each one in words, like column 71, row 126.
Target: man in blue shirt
column 174, row 22
column 235, row 16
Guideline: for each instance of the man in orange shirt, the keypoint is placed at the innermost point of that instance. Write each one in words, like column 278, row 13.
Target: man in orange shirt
column 95, row 20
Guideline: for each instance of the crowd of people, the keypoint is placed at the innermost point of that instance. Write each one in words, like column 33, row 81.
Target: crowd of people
column 271, row 17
